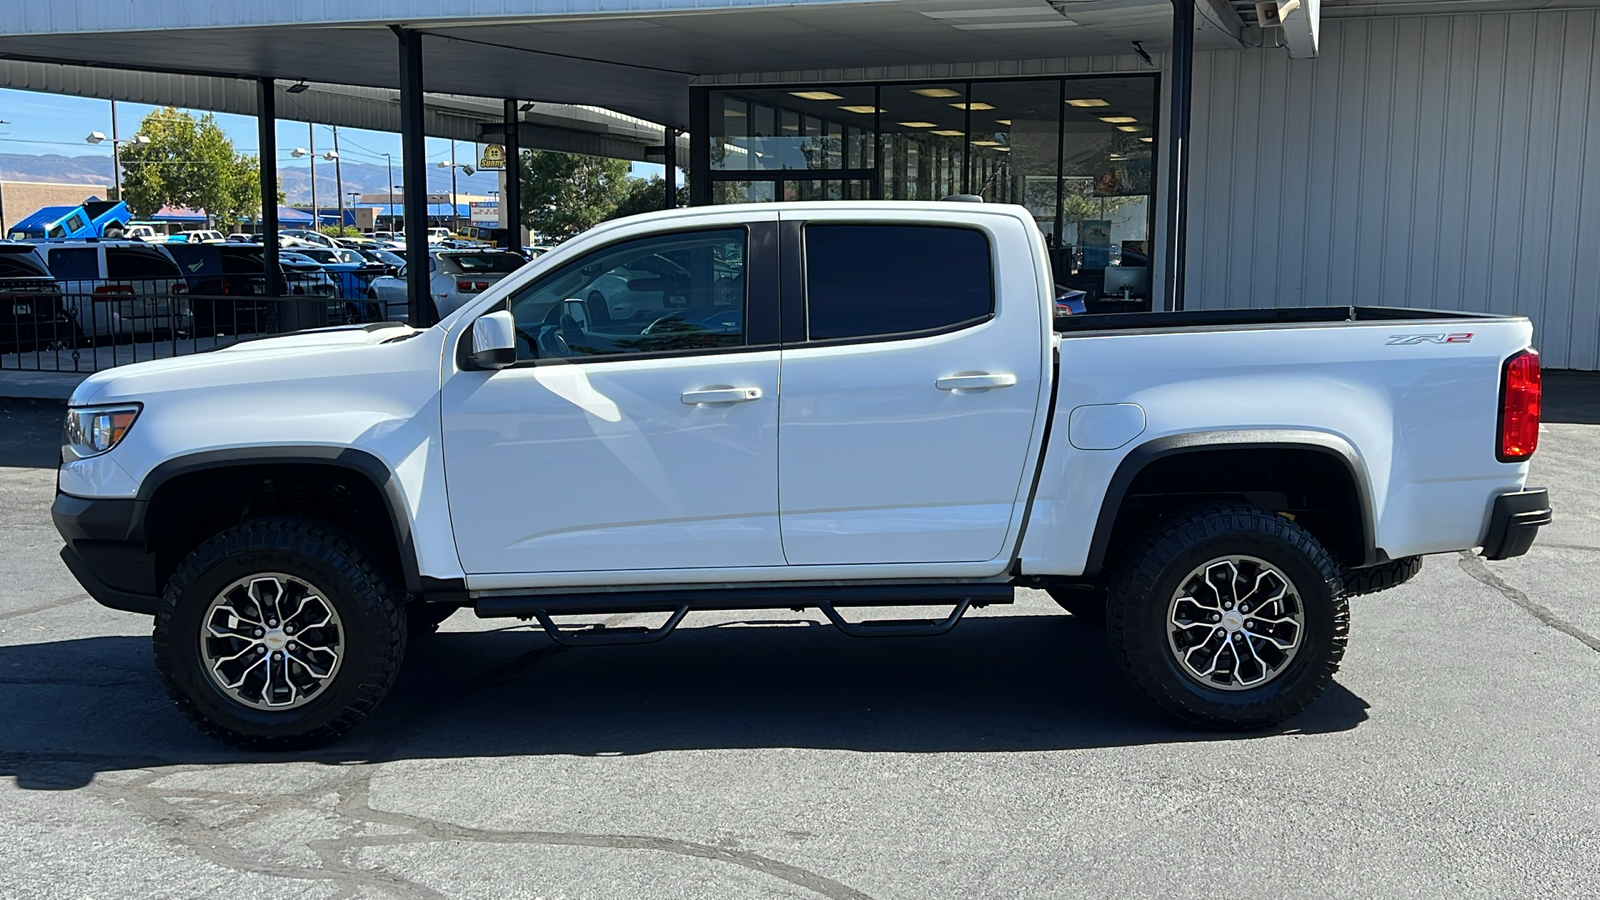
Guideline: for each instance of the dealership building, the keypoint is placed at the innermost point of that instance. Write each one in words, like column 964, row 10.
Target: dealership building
column 1421, row 153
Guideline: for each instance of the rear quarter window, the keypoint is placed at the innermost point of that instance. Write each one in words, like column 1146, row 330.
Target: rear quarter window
column 138, row 262
column 492, row 263
column 74, row 263
column 869, row 281
column 21, row 262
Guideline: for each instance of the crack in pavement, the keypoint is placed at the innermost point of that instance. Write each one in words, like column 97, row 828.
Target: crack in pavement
column 1479, row 572
column 30, row 610
column 338, row 856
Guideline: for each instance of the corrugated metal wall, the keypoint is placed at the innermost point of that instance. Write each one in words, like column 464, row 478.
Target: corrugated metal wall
column 1447, row 162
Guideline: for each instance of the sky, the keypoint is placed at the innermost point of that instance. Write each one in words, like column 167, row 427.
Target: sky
column 40, row 124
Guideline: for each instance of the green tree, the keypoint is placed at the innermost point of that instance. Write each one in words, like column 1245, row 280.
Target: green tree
column 189, row 162
column 647, row 195
column 564, row 194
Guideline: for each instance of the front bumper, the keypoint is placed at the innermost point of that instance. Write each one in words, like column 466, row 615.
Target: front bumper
column 106, row 551
column 1514, row 521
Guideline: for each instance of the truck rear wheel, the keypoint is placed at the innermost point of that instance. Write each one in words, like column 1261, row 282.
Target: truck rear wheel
column 278, row 634
column 1381, row 577
column 1229, row 617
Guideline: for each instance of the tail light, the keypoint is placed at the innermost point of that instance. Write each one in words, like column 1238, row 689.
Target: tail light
column 471, row 287
column 180, row 287
column 1521, row 389
column 123, row 289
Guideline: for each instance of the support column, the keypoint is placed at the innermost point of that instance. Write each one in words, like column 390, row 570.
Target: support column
column 669, row 155
column 511, row 197
column 1176, row 147
column 267, row 144
column 414, row 172
column 699, row 147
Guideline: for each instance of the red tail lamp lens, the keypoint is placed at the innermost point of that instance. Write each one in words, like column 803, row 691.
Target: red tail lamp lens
column 1521, row 389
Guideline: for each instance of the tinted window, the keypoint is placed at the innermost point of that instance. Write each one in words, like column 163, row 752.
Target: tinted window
column 138, row 262
column 195, row 259
column 21, row 262
column 498, row 263
column 75, row 222
column 243, row 262
column 74, row 263
column 865, row 280
column 673, row 292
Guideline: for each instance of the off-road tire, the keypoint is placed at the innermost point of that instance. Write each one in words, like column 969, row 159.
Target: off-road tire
column 1381, row 577
column 1155, row 567
column 373, row 640
column 1088, row 604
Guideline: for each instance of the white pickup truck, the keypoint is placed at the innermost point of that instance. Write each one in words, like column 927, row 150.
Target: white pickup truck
column 830, row 406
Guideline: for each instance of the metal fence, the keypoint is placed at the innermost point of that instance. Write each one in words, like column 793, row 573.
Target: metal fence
column 87, row 332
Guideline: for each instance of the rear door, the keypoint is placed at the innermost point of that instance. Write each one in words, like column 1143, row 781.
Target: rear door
column 911, row 374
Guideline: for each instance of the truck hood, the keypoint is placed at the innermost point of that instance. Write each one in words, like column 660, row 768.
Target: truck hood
column 298, row 357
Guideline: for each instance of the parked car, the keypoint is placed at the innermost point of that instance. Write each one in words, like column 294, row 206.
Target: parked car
column 89, row 219
column 227, row 287
column 31, row 315
column 120, row 288
column 308, row 236
column 196, row 236
column 390, row 260
column 1213, row 483
column 435, row 235
column 458, row 275
column 143, row 231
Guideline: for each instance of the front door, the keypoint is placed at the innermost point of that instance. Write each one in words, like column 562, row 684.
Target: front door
column 909, row 406
column 638, row 429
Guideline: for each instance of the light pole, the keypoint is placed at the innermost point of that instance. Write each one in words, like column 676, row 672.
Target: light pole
column 330, row 156
column 390, row 160
column 455, row 219
column 98, row 137
column 338, row 175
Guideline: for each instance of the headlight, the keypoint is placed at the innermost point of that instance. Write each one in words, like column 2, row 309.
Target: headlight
column 93, row 430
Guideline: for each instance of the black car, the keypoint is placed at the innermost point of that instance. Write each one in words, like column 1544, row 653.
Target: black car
column 31, row 315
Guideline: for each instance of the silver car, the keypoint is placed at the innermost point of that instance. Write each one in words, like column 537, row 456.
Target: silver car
column 458, row 275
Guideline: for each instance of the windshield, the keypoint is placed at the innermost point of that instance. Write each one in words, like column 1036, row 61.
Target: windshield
column 21, row 262
column 494, row 263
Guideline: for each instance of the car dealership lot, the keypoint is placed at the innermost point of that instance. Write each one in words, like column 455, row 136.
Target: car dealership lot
column 755, row 755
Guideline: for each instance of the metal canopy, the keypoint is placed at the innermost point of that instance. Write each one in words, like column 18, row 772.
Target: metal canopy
column 635, row 61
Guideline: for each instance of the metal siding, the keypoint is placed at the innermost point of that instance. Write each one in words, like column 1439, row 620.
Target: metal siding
column 1447, row 161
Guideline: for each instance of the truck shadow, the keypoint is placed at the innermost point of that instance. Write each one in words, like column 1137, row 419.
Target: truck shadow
column 997, row 684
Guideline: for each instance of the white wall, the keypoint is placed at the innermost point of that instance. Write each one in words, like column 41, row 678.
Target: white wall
column 1448, row 162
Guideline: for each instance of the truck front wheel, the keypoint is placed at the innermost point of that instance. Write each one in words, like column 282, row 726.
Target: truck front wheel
column 278, row 634
column 1229, row 616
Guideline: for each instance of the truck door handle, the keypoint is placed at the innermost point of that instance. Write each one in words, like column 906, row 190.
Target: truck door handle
column 721, row 395
column 974, row 382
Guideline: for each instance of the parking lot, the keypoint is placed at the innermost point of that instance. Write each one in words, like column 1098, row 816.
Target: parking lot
column 764, row 755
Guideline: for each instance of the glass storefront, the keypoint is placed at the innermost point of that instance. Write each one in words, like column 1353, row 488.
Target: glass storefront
column 1077, row 152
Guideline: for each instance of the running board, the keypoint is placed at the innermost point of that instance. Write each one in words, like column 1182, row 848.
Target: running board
column 827, row 598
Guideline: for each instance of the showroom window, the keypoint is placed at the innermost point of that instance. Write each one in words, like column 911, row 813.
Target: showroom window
column 1078, row 152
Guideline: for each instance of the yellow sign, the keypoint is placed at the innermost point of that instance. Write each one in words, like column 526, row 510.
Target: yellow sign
column 492, row 157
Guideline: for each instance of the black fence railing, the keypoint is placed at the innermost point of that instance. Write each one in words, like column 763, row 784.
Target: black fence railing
column 118, row 324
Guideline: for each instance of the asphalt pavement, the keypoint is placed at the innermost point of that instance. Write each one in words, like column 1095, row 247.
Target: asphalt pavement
column 766, row 755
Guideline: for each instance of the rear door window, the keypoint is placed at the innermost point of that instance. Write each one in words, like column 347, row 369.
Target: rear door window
column 74, row 263
column 138, row 262
column 875, row 281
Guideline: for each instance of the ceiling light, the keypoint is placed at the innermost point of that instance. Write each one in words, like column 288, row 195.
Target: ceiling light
column 985, row 143
column 1001, row 149
column 1147, row 139
column 972, row 106
column 860, row 109
column 733, row 113
column 936, row 92
column 1003, row 121
column 1118, row 120
column 948, row 133
column 815, row 95
column 1052, row 22
column 917, row 125
column 988, row 13
column 791, row 128
column 1130, row 127
column 296, row 88
column 1087, row 103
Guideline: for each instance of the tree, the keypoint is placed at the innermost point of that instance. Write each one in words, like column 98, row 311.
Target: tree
column 646, row 195
column 189, row 162
column 564, row 194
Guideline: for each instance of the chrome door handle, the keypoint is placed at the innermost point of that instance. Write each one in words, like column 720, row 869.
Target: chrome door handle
column 721, row 395
column 974, row 382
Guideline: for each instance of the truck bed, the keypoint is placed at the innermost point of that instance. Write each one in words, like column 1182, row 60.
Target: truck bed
column 1233, row 318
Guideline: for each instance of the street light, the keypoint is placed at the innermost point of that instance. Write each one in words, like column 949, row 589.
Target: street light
column 455, row 219
column 99, row 137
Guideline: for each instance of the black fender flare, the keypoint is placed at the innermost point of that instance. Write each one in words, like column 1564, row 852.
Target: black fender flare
column 369, row 466
column 1254, row 439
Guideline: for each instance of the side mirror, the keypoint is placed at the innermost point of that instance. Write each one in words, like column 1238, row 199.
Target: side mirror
column 494, row 340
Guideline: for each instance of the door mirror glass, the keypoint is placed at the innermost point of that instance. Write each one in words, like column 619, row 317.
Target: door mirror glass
column 494, row 340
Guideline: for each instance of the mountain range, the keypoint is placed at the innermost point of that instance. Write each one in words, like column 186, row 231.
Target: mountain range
column 295, row 183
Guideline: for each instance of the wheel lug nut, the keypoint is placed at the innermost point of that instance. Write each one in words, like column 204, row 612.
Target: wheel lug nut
column 259, row 632
column 272, row 623
column 291, row 645
column 288, row 629
column 1216, row 618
